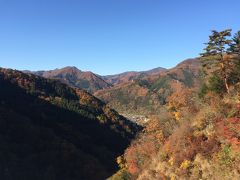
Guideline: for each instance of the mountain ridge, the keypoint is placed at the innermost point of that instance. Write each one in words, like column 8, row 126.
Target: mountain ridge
column 151, row 87
column 74, row 77
column 131, row 75
column 90, row 81
column 146, row 95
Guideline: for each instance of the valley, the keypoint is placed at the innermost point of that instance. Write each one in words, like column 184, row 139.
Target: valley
column 157, row 124
column 136, row 93
column 119, row 90
column 85, row 127
column 138, row 119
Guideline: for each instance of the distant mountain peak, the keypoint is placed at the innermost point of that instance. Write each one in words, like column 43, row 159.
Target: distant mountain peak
column 74, row 77
column 190, row 61
column 74, row 68
column 129, row 76
column 155, row 70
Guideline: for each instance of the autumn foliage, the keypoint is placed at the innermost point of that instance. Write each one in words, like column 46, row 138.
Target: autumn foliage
column 199, row 138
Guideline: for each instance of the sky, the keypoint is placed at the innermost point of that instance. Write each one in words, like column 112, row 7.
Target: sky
column 109, row 36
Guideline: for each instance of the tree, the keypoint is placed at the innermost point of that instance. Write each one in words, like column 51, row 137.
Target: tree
column 235, row 53
column 215, row 56
column 235, row 45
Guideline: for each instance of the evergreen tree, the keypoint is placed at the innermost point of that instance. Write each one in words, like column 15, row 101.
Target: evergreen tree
column 235, row 53
column 216, row 57
column 235, row 45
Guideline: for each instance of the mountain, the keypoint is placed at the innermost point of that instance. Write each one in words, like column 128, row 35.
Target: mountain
column 154, row 71
column 75, row 78
column 90, row 81
column 130, row 76
column 49, row 130
column 146, row 93
column 135, row 92
column 196, row 137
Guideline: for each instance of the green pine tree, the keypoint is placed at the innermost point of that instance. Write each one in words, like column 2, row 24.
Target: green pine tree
column 215, row 56
column 235, row 53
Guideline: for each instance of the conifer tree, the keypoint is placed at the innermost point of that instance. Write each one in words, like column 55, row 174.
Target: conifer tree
column 216, row 57
column 235, row 45
column 235, row 53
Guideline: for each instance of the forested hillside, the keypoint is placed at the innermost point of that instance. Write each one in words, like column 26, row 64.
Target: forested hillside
column 92, row 82
column 51, row 131
column 131, row 76
column 198, row 135
column 133, row 92
column 75, row 78
column 147, row 94
column 119, row 90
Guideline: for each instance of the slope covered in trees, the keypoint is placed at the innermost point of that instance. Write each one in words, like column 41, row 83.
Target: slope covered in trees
column 147, row 94
column 198, row 135
column 92, row 82
column 131, row 75
column 76, row 78
column 51, row 131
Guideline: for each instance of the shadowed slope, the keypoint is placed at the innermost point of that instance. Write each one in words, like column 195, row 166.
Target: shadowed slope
column 49, row 130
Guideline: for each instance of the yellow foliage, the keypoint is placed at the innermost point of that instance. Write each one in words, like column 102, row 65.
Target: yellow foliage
column 120, row 162
column 171, row 161
column 177, row 115
column 222, row 65
column 159, row 135
column 238, row 96
column 185, row 164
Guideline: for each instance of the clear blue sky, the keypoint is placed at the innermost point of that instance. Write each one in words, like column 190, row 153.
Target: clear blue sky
column 108, row 36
